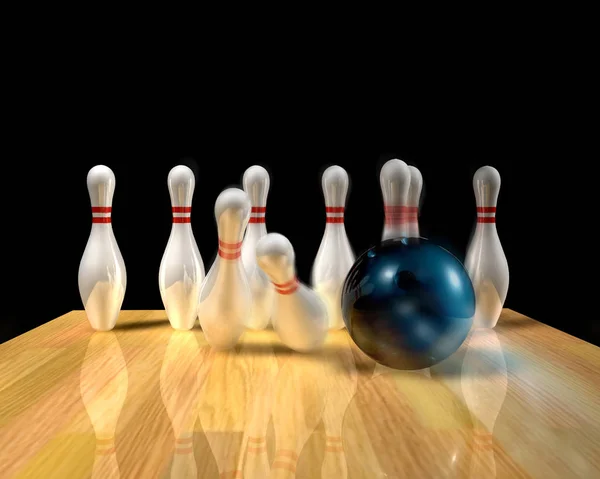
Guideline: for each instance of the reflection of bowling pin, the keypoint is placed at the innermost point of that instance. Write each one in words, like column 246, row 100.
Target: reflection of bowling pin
column 102, row 275
column 341, row 375
column 103, row 386
column 256, row 185
column 181, row 269
column 485, row 260
column 299, row 315
column 225, row 296
column 222, row 411
column 335, row 256
column 395, row 183
column 180, row 388
column 484, row 382
column 300, row 396
column 414, row 195
column 257, row 348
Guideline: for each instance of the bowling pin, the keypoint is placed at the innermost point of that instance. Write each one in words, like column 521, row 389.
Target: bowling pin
column 485, row 260
column 102, row 275
column 103, row 387
column 225, row 296
column 299, row 315
column 395, row 183
column 414, row 196
column 484, row 381
column 335, row 256
column 256, row 185
column 181, row 270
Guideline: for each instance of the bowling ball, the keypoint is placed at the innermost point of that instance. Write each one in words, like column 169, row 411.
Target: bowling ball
column 408, row 303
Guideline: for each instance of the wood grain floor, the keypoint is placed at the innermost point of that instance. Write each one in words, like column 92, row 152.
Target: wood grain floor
column 145, row 401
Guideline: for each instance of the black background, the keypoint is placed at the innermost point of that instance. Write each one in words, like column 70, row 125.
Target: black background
column 67, row 116
column 52, row 219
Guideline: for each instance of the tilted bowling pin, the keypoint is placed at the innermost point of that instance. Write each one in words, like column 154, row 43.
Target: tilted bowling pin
column 102, row 275
column 335, row 256
column 225, row 296
column 395, row 183
column 484, row 381
column 485, row 260
column 181, row 270
column 256, row 185
column 299, row 315
column 414, row 195
column 103, row 387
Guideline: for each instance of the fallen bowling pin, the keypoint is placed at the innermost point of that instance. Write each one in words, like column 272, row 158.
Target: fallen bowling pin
column 299, row 315
column 225, row 296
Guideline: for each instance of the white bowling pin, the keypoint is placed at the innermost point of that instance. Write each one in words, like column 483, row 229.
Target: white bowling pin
column 485, row 260
column 395, row 183
column 225, row 296
column 414, row 196
column 102, row 274
column 256, row 185
column 299, row 315
column 335, row 256
column 181, row 270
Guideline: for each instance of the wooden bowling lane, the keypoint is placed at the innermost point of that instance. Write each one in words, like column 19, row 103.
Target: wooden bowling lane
column 257, row 350
column 520, row 401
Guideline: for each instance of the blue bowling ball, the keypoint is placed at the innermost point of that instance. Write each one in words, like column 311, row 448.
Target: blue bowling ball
column 408, row 303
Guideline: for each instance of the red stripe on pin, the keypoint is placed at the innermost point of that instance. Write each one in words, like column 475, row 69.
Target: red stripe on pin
column 395, row 209
column 334, row 219
column 287, row 288
column 486, row 219
column 258, row 209
column 101, row 219
column 182, row 219
column 101, row 209
column 257, row 219
column 230, row 246
column 396, row 214
column 181, row 209
column 486, row 209
column 226, row 255
column 334, row 209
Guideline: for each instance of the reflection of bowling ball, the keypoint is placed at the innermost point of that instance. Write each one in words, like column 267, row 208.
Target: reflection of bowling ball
column 408, row 303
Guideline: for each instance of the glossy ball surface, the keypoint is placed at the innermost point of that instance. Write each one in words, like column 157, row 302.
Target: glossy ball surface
column 408, row 303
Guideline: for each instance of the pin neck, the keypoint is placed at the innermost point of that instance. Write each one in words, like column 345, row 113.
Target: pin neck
column 257, row 215
column 101, row 214
column 486, row 214
column 288, row 287
column 413, row 221
column 334, row 215
column 181, row 214
column 396, row 215
column 230, row 251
